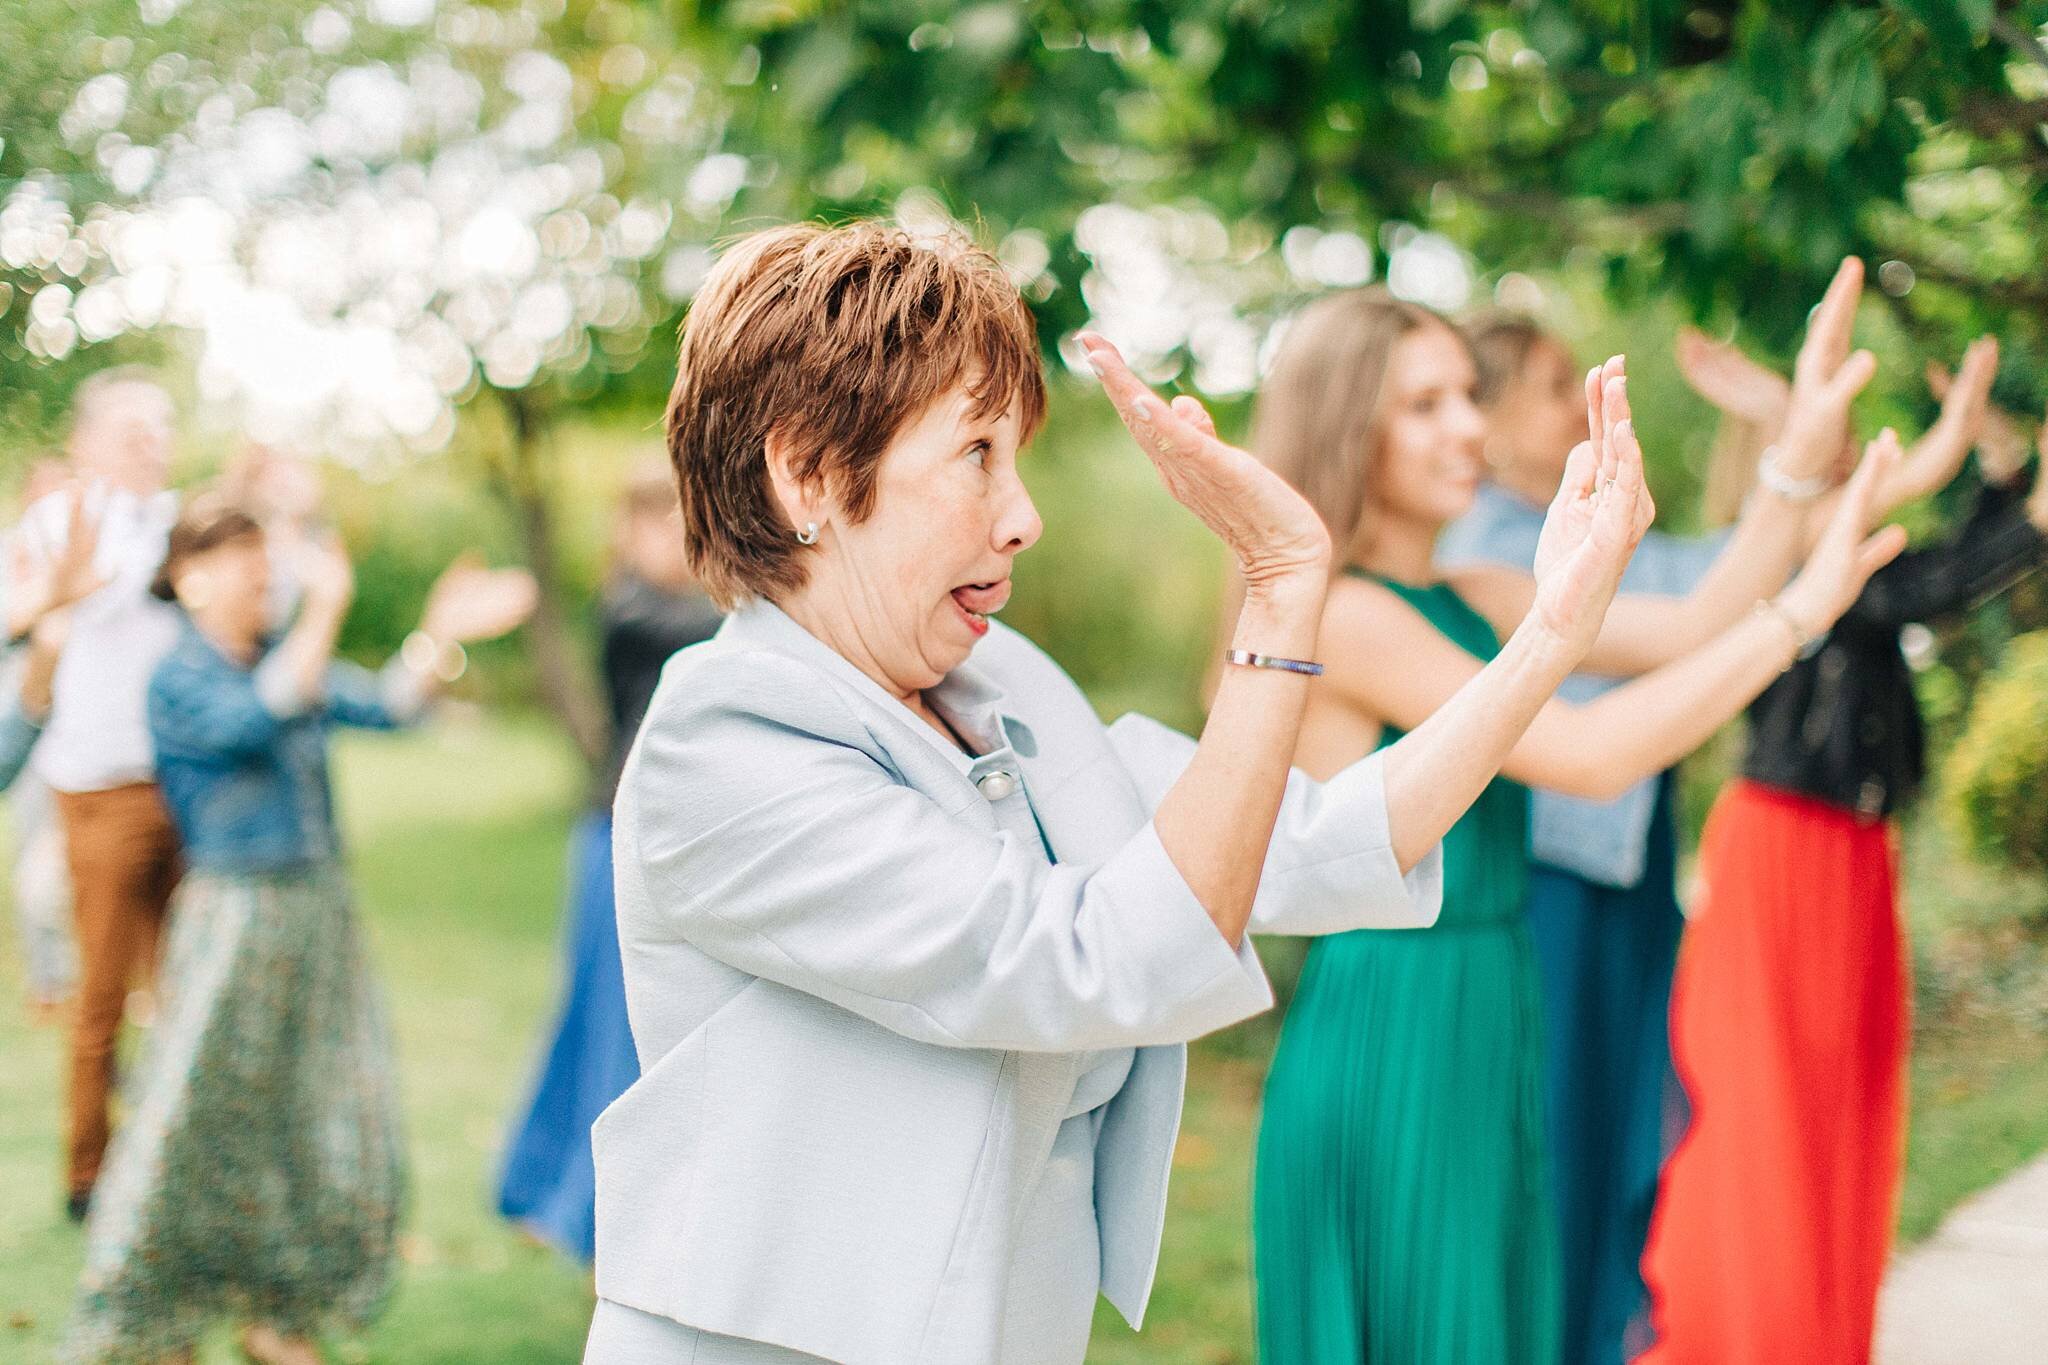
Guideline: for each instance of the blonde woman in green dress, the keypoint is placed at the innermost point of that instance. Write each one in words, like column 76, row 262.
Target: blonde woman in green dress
column 1400, row 1210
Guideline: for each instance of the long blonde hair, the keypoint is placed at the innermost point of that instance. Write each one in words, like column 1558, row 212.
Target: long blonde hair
column 1318, row 420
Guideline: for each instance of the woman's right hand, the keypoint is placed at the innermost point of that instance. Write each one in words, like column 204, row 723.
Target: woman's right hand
column 1808, row 419
column 1847, row 553
column 1826, row 377
column 1276, row 537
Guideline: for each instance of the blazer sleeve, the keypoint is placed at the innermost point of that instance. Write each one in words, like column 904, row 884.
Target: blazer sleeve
column 768, row 834
column 1331, row 866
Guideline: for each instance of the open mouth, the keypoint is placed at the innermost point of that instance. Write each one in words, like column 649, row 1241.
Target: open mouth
column 979, row 601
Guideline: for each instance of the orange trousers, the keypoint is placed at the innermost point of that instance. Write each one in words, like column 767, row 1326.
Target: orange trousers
column 1789, row 1028
column 123, row 852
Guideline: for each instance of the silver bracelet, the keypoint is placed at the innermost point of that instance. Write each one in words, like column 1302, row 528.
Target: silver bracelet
column 1251, row 660
column 1801, row 641
column 1784, row 485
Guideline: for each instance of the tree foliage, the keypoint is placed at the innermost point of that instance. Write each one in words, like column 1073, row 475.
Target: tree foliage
column 1730, row 151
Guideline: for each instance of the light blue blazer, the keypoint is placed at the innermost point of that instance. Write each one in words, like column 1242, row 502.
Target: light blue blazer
column 861, row 995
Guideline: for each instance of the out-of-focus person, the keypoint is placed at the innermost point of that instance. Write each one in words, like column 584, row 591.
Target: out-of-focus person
column 95, row 755
column 40, row 881
column 652, row 607
column 911, row 939
column 261, row 1171
column 1791, row 1005
column 286, row 496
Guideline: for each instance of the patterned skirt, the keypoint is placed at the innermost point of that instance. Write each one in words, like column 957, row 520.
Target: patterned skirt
column 260, row 1171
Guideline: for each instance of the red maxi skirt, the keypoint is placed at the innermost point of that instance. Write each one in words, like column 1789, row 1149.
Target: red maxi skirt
column 1789, row 1029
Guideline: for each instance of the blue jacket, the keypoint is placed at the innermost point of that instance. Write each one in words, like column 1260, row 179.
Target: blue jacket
column 1601, row 841
column 241, row 755
column 18, row 735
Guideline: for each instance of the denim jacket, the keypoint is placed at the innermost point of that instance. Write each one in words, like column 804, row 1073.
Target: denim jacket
column 241, row 753
column 1602, row 841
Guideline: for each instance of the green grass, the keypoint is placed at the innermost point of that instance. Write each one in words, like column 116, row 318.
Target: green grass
column 458, row 837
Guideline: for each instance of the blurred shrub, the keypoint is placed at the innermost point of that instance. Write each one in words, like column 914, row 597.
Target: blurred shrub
column 1996, row 776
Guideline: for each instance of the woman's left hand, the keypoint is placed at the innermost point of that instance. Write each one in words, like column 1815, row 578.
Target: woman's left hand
column 470, row 602
column 1595, row 522
column 1848, row 551
column 2001, row 445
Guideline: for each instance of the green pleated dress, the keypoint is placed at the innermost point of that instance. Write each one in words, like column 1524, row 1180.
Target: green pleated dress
column 1399, row 1212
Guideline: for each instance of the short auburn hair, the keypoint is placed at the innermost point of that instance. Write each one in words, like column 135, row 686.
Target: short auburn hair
column 831, row 339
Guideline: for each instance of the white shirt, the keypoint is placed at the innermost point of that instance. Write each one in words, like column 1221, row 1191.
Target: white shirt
column 97, row 737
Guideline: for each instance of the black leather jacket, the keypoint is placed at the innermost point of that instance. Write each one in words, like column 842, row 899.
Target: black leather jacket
column 1843, row 726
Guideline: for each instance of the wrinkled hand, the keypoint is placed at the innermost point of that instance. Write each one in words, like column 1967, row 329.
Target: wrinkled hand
column 1847, row 553
column 1826, row 378
column 1270, row 528
column 1597, row 519
column 470, row 602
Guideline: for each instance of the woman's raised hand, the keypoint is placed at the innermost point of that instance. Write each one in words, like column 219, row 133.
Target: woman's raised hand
column 1597, row 519
column 1272, row 531
column 1826, row 377
column 45, row 584
column 1744, row 389
column 471, row 602
column 1847, row 553
column 1965, row 418
column 2001, row 445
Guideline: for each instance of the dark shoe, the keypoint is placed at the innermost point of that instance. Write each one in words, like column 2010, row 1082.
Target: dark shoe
column 76, row 1203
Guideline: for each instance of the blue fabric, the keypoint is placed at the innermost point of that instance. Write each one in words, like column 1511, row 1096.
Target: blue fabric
column 1602, row 841
column 1606, row 958
column 549, row 1183
column 18, row 736
column 246, row 781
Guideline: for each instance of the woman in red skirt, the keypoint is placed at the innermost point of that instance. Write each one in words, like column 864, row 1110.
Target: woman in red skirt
column 1789, row 1013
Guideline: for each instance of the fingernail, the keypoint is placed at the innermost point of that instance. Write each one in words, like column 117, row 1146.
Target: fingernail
column 1142, row 409
column 1625, row 428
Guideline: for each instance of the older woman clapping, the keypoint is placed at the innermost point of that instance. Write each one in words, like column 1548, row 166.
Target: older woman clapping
column 910, row 938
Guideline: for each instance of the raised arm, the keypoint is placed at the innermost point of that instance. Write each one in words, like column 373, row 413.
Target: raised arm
column 767, row 835
column 1740, row 387
column 1603, row 747
column 1643, row 631
column 1216, row 821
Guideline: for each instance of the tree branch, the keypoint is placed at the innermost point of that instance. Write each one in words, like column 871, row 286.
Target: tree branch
column 2020, row 40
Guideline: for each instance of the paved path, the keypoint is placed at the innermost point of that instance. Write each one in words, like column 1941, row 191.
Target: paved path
column 1976, row 1293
